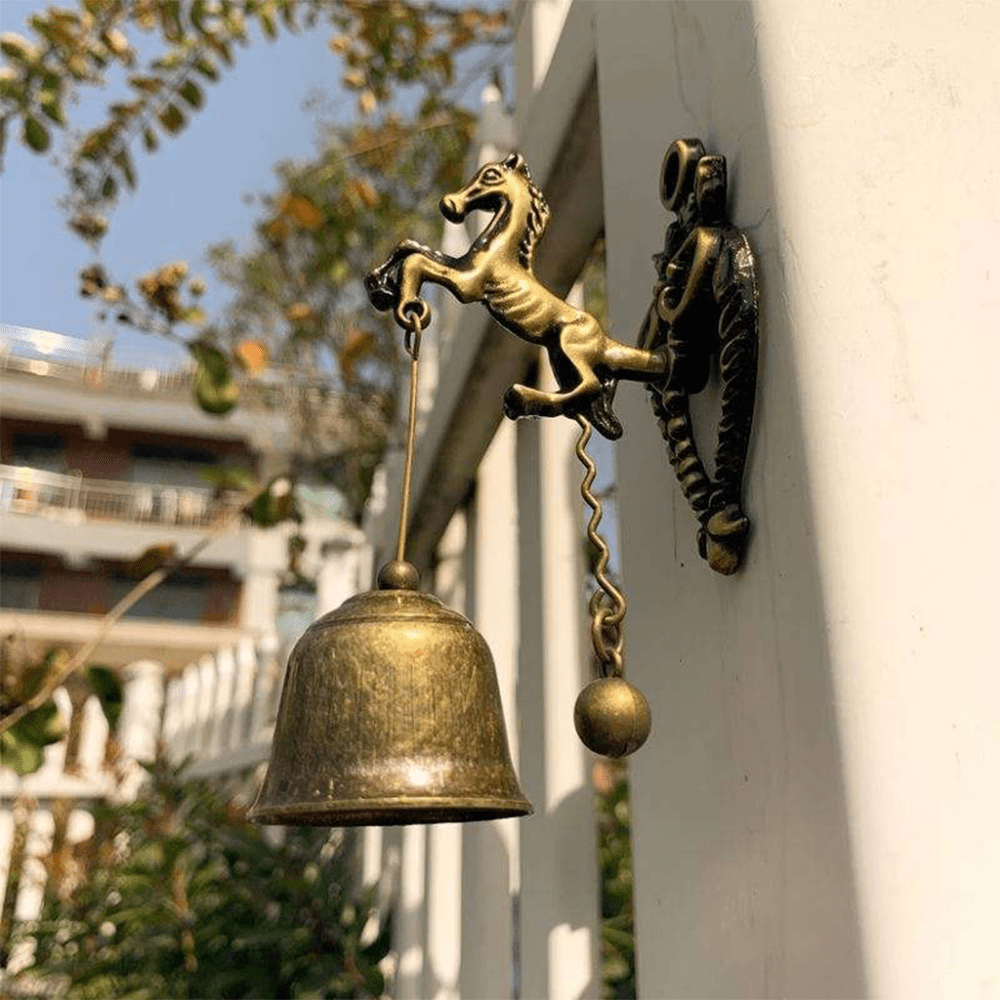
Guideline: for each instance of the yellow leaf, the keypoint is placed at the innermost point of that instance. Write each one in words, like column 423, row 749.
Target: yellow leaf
column 340, row 44
column 302, row 210
column 252, row 356
column 300, row 312
column 365, row 192
column 367, row 102
column 357, row 344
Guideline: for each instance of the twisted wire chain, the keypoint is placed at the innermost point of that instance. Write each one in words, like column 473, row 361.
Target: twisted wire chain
column 608, row 604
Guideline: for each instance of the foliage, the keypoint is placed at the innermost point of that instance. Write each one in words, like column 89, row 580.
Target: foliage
column 22, row 746
column 298, row 300
column 615, row 853
column 183, row 897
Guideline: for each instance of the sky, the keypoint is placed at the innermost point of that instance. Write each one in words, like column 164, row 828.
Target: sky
column 190, row 190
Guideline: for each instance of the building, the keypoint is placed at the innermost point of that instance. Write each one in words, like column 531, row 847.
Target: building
column 99, row 463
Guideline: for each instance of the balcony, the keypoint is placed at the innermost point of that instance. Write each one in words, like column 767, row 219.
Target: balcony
column 24, row 490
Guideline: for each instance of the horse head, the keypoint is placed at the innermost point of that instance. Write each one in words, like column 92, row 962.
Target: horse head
column 505, row 182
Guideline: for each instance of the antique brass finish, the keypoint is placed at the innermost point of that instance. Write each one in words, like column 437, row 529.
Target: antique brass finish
column 390, row 713
column 497, row 271
column 705, row 305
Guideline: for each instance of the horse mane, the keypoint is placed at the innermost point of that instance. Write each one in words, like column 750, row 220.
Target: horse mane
column 538, row 219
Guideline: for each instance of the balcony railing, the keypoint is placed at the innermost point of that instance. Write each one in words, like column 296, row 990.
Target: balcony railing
column 88, row 363
column 24, row 490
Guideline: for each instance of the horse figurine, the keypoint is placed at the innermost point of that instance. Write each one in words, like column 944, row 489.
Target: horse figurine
column 497, row 271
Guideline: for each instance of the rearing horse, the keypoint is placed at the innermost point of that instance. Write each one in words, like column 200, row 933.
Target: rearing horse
column 497, row 271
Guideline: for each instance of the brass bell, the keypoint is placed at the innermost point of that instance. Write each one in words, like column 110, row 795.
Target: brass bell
column 390, row 713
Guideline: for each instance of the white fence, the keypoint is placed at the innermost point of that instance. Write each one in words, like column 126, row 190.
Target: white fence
column 219, row 712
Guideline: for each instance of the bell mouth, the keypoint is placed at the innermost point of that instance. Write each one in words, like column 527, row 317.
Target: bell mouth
column 395, row 811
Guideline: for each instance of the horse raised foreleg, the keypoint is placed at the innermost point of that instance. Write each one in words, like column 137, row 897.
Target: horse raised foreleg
column 383, row 282
column 466, row 285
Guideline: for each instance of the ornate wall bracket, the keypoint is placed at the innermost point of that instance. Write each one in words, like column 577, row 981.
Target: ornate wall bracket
column 705, row 305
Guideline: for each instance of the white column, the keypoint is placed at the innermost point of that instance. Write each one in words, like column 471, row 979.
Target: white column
column 559, row 878
column 490, row 859
column 410, row 918
column 817, row 805
column 443, row 956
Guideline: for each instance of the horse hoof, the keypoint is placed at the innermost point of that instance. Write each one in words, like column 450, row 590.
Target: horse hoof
column 513, row 404
column 379, row 294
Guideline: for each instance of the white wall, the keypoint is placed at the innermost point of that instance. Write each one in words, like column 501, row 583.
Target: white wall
column 816, row 811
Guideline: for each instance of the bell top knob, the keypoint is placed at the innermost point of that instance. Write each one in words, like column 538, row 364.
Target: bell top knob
column 397, row 574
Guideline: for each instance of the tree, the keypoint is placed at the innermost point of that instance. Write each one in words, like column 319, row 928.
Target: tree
column 178, row 895
column 298, row 297
column 298, row 290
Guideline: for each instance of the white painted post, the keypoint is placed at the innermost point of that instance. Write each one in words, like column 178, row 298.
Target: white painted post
column 490, row 870
column 559, row 880
column 444, row 841
column 410, row 921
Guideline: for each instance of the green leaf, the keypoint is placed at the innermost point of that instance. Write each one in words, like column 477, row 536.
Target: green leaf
column 21, row 756
column 149, row 140
column 172, row 118
column 192, row 93
column 109, row 188
column 207, row 68
column 214, row 388
column 123, row 161
column 49, row 101
column 16, row 47
column 230, row 479
column 109, row 691
column 36, row 135
column 43, row 725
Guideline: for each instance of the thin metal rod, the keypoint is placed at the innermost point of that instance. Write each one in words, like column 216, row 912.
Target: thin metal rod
column 411, row 433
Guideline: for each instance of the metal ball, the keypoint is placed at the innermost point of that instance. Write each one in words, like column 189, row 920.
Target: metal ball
column 398, row 575
column 612, row 717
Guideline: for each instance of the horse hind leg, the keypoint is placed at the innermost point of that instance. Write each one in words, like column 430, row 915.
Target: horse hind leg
column 590, row 397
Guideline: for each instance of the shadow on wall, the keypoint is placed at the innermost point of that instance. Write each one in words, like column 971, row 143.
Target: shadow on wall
column 744, row 876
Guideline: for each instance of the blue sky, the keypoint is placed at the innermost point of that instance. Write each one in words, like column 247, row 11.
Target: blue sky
column 190, row 191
